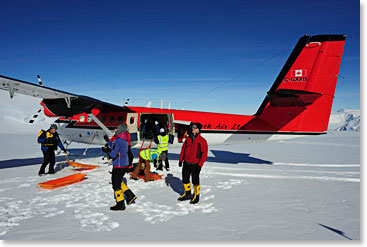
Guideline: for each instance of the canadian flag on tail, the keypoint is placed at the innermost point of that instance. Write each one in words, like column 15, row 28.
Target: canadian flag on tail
column 299, row 73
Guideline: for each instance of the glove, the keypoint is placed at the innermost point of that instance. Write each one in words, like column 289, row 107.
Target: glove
column 197, row 168
column 107, row 150
column 106, row 138
column 180, row 163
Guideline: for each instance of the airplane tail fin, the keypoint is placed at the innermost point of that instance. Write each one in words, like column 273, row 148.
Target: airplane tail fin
column 301, row 97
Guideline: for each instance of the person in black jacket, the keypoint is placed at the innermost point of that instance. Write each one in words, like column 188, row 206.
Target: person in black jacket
column 49, row 141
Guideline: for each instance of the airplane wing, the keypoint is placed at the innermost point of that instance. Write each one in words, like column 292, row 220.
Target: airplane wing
column 59, row 103
column 26, row 88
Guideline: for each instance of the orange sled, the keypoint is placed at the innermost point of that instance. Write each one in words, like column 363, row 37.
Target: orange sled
column 86, row 167
column 152, row 175
column 83, row 166
column 56, row 183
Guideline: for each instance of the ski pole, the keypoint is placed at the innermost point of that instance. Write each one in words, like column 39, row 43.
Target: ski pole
column 66, row 156
column 67, row 160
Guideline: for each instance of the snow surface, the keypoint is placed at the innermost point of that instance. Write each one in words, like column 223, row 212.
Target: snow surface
column 302, row 189
column 305, row 189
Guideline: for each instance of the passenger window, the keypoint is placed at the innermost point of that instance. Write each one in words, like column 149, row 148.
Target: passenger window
column 103, row 119
column 112, row 119
column 89, row 119
column 81, row 118
column 119, row 119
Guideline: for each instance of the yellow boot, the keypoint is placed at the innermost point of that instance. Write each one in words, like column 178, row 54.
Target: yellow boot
column 195, row 198
column 119, row 196
column 187, row 194
column 130, row 197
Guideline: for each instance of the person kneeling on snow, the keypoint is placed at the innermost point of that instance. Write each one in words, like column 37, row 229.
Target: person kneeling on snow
column 194, row 153
column 120, row 162
column 145, row 156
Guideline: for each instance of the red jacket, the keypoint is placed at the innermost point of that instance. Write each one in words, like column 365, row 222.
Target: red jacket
column 194, row 151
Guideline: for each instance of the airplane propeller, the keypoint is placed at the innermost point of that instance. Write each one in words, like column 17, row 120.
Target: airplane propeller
column 35, row 116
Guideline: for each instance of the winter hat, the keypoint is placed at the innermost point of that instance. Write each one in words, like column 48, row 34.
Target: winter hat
column 154, row 156
column 53, row 126
column 121, row 129
column 163, row 131
column 197, row 125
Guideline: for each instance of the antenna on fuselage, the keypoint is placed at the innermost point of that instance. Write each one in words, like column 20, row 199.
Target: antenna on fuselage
column 39, row 80
column 127, row 101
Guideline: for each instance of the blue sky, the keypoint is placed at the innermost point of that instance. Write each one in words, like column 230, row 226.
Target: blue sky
column 172, row 50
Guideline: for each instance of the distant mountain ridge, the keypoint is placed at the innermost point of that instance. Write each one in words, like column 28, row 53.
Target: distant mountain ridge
column 345, row 120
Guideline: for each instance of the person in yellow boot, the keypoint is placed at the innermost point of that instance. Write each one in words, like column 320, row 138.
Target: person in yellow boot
column 145, row 157
column 120, row 164
column 194, row 153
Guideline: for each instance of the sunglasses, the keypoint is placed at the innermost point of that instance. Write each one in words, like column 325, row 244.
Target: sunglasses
column 194, row 127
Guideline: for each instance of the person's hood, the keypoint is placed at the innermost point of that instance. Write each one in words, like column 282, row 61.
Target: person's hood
column 121, row 129
column 123, row 135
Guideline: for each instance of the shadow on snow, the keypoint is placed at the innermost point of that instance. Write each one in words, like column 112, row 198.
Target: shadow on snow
column 228, row 157
column 77, row 153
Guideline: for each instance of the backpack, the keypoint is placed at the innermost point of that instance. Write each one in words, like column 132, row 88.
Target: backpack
column 40, row 134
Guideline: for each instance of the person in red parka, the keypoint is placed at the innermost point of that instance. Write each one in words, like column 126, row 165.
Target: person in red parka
column 194, row 153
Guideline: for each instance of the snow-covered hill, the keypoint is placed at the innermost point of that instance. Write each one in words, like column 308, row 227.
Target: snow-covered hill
column 345, row 120
column 16, row 113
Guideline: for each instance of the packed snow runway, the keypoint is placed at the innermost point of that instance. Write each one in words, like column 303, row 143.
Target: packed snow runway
column 305, row 189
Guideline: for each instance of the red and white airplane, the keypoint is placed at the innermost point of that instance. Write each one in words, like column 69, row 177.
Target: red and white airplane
column 298, row 104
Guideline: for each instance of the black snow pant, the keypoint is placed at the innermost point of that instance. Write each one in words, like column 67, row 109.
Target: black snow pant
column 160, row 162
column 117, row 175
column 193, row 170
column 48, row 157
column 130, row 155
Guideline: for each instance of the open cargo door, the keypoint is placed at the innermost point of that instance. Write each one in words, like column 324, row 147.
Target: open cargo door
column 151, row 123
column 132, row 124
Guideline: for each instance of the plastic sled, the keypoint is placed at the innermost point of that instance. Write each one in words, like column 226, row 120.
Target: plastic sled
column 56, row 183
column 84, row 166
column 152, row 175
